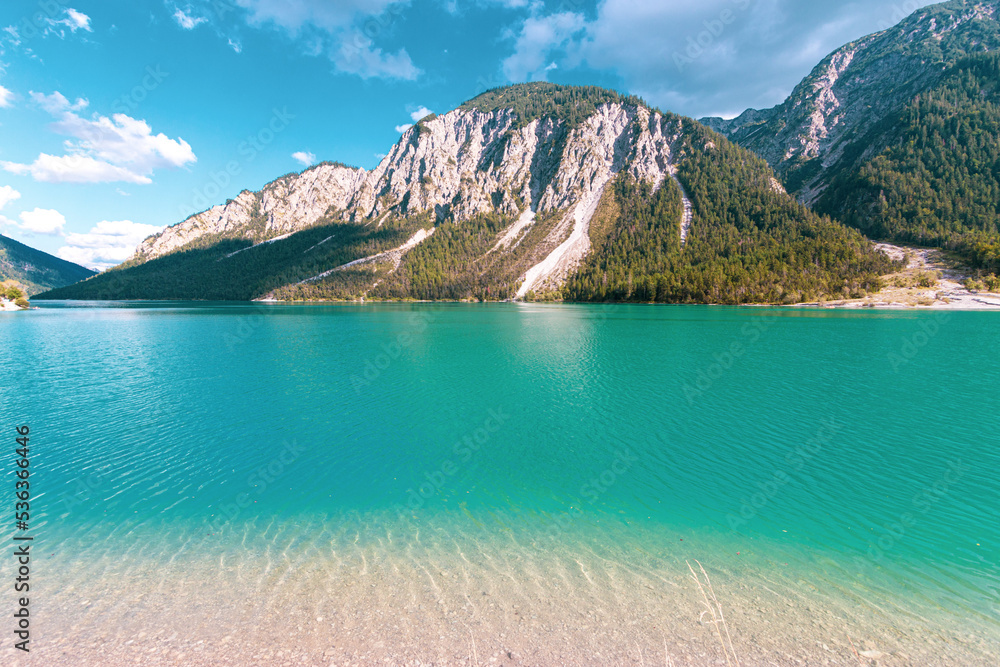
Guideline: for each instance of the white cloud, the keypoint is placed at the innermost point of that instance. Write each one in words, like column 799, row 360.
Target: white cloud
column 77, row 21
column 187, row 21
column 344, row 30
column 48, row 221
column 235, row 46
column 422, row 112
column 119, row 148
column 416, row 115
column 7, row 195
column 72, row 20
column 56, row 103
column 6, row 98
column 108, row 243
column 34, row 23
column 297, row 15
column 696, row 57
column 540, row 36
column 305, row 158
column 13, row 36
column 357, row 55
column 74, row 169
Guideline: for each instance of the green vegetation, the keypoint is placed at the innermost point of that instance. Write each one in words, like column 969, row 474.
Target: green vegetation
column 235, row 269
column 635, row 237
column 11, row 290
column 34, row 270
column 939, row 184
column 917, row 279
column 455, row 263
column 531, row 101
column 989, row 283
column 747, row 243
column 324, row 163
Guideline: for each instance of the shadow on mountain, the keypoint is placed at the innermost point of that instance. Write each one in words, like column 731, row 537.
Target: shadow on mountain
column 238, row 270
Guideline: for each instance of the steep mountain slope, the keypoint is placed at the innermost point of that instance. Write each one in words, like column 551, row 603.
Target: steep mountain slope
column 495, row 200
column 846, row 111
column 36, row 270
column 939, row 183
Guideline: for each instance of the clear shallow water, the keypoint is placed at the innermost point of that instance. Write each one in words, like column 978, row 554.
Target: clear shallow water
column 843, row 464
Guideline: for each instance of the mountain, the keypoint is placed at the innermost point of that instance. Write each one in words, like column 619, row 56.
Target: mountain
column 846, row 110
column 528, row 191
column 896, row 133
column 939, row 184
column 36, row 270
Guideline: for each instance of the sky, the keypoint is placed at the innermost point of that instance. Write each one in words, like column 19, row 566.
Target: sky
column 119, row 117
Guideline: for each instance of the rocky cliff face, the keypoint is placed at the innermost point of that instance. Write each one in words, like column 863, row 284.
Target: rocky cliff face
column 288, row 204
column 844, row 111
column 457, row 166
column 533, row 191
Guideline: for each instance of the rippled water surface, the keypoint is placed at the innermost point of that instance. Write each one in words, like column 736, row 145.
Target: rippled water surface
column 453, row 482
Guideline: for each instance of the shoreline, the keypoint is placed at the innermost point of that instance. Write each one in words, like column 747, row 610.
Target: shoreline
column 428, row 592
column 928, row 282
column 945, row 293
column 977, row 302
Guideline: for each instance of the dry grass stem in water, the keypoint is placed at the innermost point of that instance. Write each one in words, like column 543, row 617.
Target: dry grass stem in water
column 714, row 609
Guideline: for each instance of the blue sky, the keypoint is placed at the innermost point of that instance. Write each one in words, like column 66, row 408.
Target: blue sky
column 118, row 117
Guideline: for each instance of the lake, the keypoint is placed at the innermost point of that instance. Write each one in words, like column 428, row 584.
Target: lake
column 451, row 483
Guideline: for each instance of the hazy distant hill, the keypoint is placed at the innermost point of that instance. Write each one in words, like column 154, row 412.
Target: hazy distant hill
column 37, row 270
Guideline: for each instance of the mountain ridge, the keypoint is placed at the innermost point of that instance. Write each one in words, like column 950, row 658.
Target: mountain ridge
column 495, row 200
column 37, row 270
column 842, row 112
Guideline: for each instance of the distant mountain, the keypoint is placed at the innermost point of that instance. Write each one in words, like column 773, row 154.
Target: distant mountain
column 36, row 270
column 896, row 133
column 939, row 183
column 528, row 191
column 847, row 109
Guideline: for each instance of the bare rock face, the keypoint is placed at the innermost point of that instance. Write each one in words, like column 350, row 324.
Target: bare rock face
column 841, row 113
column 459, row 165
column 282, row 206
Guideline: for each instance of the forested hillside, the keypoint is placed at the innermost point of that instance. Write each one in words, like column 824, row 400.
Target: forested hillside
column 36, row 270
column 748, row 243
column 489, row 201
column 939, row 184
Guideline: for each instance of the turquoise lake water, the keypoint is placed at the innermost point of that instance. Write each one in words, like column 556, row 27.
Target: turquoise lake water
column 852, row 458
